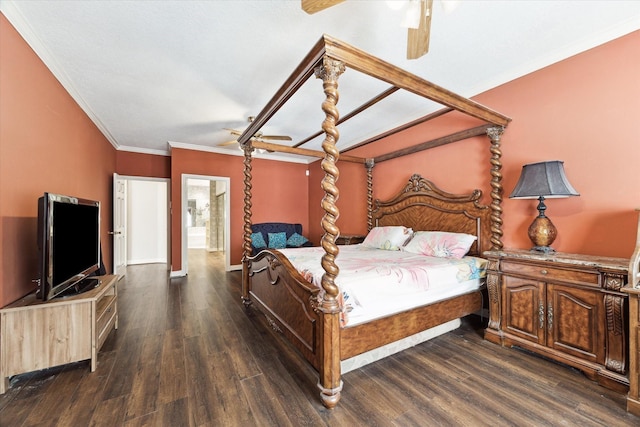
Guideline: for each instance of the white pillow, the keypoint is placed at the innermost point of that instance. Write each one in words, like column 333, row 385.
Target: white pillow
column 390, row 238
column 440, row 244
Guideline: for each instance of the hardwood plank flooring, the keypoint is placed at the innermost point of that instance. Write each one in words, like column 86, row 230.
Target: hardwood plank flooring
column 187, row 353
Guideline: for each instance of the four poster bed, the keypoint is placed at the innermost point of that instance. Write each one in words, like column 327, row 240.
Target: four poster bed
column 311, row 312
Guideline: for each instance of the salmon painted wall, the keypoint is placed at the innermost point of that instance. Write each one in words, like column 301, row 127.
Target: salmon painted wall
column 143, row 165
column 584, row 110
column 47, row 143
column 280, row 194
column 352, row 200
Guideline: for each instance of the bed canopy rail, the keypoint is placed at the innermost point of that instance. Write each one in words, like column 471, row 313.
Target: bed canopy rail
column 360, row 109
column 356, row 59
column 400, row 128
column 327, row 60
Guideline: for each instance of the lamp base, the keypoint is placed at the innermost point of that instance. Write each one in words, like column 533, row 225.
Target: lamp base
column 542, row 233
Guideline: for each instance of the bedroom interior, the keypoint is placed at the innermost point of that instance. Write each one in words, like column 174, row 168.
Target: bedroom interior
column 547, row 106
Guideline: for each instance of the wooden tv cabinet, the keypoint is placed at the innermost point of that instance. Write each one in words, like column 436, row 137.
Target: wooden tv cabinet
column 37, row 335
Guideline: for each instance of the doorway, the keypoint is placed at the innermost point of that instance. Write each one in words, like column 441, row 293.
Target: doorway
column 206, row 217
column 141, row 221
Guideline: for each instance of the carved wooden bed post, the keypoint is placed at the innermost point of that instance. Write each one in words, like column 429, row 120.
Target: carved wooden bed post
column 493, row 286
column 330, row 383
column 369, row 164
column 246, row 245
column 494, row 134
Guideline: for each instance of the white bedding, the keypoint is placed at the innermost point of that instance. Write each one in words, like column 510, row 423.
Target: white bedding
column 375, row 283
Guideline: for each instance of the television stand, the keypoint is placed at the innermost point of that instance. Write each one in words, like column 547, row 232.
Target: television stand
column 36, row 334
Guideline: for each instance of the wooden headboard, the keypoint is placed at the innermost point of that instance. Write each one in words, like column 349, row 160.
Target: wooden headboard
column 424, row 207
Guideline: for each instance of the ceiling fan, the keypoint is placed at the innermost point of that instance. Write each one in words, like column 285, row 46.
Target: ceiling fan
column 259, row 136
column 417, row 19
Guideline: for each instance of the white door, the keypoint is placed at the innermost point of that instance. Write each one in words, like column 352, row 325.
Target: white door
column 119, row 225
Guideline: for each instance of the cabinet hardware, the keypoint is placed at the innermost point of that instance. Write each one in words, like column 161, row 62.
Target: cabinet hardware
column 541, row 315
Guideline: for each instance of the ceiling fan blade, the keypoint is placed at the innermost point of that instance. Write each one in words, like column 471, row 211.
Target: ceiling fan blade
column 233, row 131
column 418, row 38
column 224, row 144
column 313, row 6
column 276, row 137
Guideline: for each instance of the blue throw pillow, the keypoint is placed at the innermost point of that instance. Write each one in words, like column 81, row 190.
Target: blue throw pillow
column 277, row 240
column 258, row 240
column 296, row 240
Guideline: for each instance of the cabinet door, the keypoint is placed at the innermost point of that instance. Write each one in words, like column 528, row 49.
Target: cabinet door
column 524, row 308
column 573, row 322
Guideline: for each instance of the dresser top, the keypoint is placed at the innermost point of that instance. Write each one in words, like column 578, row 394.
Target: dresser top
column 595, row 261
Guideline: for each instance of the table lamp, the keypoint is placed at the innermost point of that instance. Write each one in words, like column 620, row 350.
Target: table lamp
column 539, row 181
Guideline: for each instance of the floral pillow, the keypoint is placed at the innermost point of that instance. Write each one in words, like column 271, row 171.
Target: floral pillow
column 390, row 238
column 277, row 240
column 296, row 240
column 258, row 240
column 440, row 244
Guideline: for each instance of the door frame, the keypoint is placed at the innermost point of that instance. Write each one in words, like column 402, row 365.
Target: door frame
column 168, row 208
column 227, row 218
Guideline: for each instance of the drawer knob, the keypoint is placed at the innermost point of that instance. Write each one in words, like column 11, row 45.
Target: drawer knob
column 544, row 271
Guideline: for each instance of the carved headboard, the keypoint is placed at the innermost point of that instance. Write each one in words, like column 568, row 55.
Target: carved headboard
column 424, row 207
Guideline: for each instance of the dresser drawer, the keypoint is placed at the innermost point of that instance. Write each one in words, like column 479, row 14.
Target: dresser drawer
column 106, row 312
column 545, row 273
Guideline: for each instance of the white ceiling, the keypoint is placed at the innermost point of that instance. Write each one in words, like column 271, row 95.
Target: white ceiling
column 155, row 74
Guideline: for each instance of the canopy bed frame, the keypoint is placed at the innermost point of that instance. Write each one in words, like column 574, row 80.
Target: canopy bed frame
column 288, row 300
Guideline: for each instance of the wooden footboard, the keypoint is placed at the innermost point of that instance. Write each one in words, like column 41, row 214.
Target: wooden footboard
column 287, row 300
column 358, row 339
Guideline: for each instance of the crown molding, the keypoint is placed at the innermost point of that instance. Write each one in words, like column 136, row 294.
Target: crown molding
column 239, row 153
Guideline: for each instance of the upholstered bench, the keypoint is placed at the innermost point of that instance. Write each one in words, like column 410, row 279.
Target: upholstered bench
column 277, row 235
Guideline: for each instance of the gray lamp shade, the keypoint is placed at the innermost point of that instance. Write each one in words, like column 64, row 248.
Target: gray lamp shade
column 545, row 179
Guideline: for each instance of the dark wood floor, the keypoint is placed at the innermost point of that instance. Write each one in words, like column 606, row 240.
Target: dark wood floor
column 187, row 354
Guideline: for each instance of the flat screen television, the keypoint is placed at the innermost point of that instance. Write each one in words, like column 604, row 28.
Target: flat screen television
column 68, row 243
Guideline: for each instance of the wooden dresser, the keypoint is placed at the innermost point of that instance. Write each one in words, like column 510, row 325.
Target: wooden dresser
column 566, row 307
column 37, row 335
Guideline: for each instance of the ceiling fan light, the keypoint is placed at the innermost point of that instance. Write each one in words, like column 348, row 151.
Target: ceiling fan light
column 449, row 5
column 396, row 4
column 412, row 16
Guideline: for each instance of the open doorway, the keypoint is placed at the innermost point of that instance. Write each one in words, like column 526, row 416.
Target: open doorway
column 141, row 222
column 206, row 218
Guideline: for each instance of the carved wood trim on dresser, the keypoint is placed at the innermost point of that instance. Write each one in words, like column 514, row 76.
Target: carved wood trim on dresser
column 567, row 307
column 633, row 398
column 633, row 289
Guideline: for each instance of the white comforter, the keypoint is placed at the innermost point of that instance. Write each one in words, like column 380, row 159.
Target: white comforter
column 375, row 282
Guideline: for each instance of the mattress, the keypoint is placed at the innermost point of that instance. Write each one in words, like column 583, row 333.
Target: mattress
column 375, row 283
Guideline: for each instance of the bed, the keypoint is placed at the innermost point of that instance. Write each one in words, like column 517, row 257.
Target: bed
column 290, row 302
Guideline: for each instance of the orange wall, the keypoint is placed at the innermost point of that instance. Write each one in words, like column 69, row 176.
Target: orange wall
column 47, row 143
column 352, row 200
column 584, row 110
column 280, row 193
column 144, row 165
